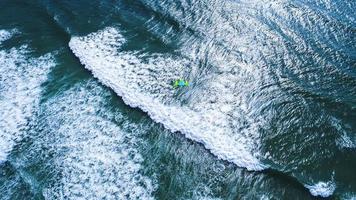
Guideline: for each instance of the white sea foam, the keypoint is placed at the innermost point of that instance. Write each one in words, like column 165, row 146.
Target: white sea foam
column 5, row 35
column 323, row 189
column 145, row 83
column 344, row 140
column 349, row 196
column 97, row 157
column 20, row 87
column 203, row 192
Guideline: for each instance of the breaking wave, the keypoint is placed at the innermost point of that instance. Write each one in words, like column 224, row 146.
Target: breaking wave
column 144, row 82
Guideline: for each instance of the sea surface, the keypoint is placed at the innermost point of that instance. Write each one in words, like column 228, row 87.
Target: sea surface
column 88, row 111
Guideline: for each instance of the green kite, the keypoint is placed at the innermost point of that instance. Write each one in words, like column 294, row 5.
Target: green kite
column 179, row 83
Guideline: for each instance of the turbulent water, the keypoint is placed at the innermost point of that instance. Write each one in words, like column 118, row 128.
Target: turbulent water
column 88, row 110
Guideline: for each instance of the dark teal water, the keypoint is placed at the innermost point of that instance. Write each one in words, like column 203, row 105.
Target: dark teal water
column 88, row 110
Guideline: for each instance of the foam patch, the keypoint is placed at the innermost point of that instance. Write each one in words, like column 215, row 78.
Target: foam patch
column 323, row 189
column 97, row 158
column 20, row 88
column 5, row 35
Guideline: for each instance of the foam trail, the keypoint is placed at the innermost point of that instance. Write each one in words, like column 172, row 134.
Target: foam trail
column 97, row 158
column 146, row 84
column 20, row 81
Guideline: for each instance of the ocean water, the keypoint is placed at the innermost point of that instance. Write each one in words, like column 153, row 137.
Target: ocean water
column 88, row 111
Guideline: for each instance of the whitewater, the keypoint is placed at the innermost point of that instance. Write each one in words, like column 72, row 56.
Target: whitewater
column 128, row 77
column 88, row 109
column 21, row 78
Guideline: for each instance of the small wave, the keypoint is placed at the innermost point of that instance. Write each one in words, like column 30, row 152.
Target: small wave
column 145, row 84
column 323, row 189
column 20, row 87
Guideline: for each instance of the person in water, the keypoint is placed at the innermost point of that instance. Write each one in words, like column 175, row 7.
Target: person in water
column 179, row 83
